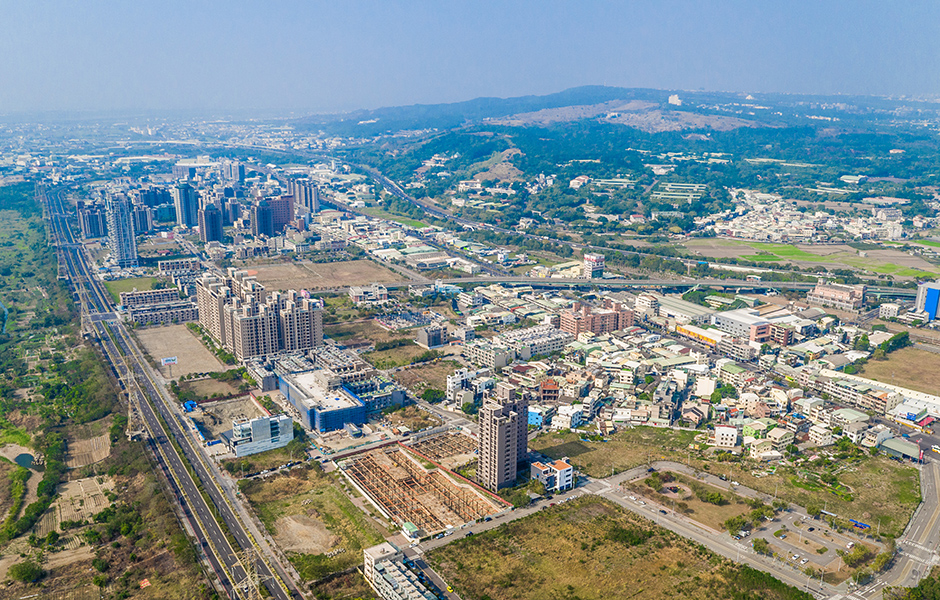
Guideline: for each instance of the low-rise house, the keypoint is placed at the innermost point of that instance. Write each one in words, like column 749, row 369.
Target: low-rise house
column 557, row 476
column 820, row 436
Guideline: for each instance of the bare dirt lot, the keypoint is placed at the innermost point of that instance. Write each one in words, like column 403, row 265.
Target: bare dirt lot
column 313, row 276
column 177, row 340
column 216, row 417
column 302, row 533
column 912, row 368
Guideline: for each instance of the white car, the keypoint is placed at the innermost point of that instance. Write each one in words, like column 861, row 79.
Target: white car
column 640, row 502
column 632, row 497
column 804, row 561
column 795, row 557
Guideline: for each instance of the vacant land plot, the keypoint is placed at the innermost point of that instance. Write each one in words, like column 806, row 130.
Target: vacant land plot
column 685, row 502
column 882, row 490
column 216, row 417
column 624, row 450
column 881, row 260
column 395, row 357
column 314, row 276
column 364, row 332
column 128, row 285
column 908, row 367
column 426, row 376
column 208, row 388
column 380, row 213
column 309, row 515
column 592, row 549
column 413, row 418
column 179, row 341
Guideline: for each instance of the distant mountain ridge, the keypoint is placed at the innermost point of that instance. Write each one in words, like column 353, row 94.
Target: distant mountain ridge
column 367, row 123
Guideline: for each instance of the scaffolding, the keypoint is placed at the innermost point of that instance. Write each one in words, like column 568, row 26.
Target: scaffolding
column 410, row 494
column 445, row 445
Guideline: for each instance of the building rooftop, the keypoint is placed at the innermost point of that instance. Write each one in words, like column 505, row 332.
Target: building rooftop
column 316, row 395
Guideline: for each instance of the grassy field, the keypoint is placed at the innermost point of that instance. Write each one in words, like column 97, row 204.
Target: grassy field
column 413, row 418
column 881, row 261
column 128, row 285
column 309, row 514
column 360, row 332
column 625, row 450
column 394, row 357
column 711, row 515
column 592, row 549
column 428, row 375
column 384, row 214
column 881, row 489
column 908, row 367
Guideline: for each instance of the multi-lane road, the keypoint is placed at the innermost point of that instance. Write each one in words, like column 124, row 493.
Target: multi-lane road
column 155, row 409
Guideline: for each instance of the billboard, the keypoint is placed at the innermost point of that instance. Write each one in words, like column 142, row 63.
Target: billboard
column 169, row 360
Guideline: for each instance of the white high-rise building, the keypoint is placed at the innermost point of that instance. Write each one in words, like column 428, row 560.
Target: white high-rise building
column 121, row 231
column 593, row 266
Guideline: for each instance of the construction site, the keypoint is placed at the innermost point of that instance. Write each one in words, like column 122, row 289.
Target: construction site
column 429, row 499
column 451, row 449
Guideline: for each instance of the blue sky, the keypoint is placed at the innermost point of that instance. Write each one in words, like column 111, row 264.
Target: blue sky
column 311, row 56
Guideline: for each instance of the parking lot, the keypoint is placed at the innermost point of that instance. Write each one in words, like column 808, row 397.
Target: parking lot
column 807, row 542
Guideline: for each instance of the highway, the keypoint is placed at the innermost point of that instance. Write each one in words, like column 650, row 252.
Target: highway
column 150, row 400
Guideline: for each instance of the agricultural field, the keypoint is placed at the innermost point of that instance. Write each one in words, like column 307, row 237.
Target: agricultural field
column 128, row 285
column 178, row 341
column 886, row 261
column 309, row 515
column 909, row 367
column 88, row 444
column 314, row 276
column 592, row 549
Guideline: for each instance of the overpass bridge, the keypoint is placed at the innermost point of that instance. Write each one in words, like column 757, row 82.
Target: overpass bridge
column 612, row 284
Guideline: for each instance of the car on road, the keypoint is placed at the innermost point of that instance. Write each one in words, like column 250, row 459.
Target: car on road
column 811, row 529
column 850, row 545
column 662, row 511
column 935, row 448
column 632, row 498
column 737, row 537
column 641, row 503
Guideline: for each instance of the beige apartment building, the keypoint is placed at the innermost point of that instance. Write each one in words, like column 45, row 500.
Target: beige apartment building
column 504, row 420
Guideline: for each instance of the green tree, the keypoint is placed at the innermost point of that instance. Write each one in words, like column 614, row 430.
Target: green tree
column 761, row 546
column 25, row 571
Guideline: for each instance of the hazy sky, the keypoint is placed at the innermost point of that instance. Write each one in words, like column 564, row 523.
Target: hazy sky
column 311, row 56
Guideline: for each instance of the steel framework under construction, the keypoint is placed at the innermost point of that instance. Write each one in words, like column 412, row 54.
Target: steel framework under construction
column 431, row 500
column 445, row 445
